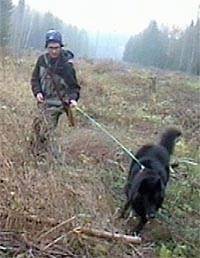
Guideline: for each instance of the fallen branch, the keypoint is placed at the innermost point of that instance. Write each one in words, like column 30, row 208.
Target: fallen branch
column 108, row 235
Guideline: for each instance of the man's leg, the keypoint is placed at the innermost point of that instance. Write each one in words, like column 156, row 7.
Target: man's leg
column 43, row 127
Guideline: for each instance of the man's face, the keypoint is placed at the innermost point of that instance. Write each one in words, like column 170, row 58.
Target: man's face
column 54, row 49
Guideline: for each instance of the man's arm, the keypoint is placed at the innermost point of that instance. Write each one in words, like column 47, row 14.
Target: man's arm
column 35, row 80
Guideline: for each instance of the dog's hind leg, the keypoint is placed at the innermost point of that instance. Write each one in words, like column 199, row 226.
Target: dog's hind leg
column 124, row 210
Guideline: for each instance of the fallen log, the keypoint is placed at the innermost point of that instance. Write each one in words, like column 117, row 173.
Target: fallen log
column 128, row 239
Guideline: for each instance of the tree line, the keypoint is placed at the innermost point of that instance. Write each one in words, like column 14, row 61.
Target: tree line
column 22, row 28
column 167, row 49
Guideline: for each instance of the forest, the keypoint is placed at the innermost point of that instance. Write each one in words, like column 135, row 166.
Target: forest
column 23, row 29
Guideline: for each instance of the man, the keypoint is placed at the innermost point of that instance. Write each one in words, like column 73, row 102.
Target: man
column 55, row 87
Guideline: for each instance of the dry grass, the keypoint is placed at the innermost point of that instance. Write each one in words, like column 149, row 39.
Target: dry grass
column 35, row 196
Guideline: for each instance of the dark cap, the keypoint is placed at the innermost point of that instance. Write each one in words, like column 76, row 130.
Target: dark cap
column 53, row 36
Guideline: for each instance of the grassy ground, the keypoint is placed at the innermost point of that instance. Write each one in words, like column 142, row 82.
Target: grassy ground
column 88, row 188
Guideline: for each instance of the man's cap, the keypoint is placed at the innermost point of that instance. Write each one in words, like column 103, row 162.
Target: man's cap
column 53, row 36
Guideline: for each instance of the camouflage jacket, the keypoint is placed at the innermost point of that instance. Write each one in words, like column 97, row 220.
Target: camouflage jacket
column 64, row 77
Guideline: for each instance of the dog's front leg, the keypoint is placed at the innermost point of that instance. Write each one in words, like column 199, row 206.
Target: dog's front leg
column 139, row 227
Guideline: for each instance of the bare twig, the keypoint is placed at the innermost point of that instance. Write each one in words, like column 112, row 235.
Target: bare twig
column 189, row 162
column 136, row 251
column 53, row 242
column 28, row 217
column 57, row 226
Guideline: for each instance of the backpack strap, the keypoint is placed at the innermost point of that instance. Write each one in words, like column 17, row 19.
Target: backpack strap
column 46, row 61
column 65, row 105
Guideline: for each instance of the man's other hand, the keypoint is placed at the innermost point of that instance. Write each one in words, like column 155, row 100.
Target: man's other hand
column 72, row 103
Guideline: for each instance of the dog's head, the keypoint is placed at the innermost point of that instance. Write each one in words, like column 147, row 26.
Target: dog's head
column 151, row 193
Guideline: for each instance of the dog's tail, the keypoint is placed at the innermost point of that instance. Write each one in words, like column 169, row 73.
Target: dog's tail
column 168, row 139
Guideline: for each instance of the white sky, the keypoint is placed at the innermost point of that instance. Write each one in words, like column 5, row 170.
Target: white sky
column 123, row 16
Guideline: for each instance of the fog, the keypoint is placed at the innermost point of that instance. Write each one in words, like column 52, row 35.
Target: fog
column 123, row 17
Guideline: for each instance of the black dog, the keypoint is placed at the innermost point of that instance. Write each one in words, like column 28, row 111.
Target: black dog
column 145, row 188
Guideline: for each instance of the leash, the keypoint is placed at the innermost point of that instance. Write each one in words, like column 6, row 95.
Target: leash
column 110, row 135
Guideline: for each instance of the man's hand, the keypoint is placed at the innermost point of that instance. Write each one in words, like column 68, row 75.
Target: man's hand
column 72, row 103
column 40, row 97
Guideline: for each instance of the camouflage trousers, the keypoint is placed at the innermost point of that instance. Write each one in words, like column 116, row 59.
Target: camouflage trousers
column 43, row 130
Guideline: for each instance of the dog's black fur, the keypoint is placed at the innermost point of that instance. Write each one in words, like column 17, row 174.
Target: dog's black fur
column 145, row 189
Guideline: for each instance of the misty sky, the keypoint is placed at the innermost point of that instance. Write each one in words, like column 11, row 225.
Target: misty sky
column 122, row 16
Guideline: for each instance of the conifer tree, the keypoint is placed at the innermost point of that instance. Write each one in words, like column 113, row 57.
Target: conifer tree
column 5, row 16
